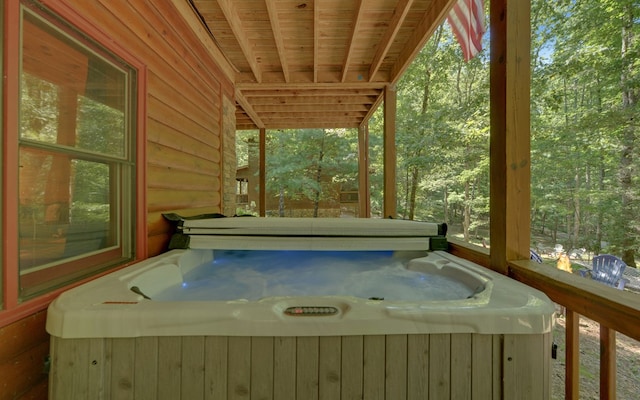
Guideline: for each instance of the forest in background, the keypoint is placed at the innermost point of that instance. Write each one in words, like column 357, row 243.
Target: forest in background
column 585, row 158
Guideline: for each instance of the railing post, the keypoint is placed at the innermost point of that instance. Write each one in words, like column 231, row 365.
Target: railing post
column 607, row 363
column 572, row 358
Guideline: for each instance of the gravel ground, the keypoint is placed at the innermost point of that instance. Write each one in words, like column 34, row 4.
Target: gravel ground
column 628, row 362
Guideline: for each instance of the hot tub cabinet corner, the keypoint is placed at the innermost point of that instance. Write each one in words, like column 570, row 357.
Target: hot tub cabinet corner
column 392, row 367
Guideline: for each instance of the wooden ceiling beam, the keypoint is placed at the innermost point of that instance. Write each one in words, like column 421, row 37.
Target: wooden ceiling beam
column 399, row 14
column 293, row 114
column 324, row 124
column 318, row 122
column 246, row 128
column 316, row 40
column 277, row 34
column 374, row 107
column 311, row 92
column 428, row 24
column 355, row 26
column 311, row 100
column 327, row 107
column 273, row 86
column 231, row 15
column 246, row 106
column 199, row 26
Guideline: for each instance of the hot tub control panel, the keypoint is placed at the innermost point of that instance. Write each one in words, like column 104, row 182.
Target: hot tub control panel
column 310, row 311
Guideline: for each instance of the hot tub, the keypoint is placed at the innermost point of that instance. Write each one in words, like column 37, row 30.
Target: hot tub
column 403, row 323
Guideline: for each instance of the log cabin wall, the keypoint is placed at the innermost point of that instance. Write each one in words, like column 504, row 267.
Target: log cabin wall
column 185, row 92
column 229, row 160
column 24, row 346
column 186, row 95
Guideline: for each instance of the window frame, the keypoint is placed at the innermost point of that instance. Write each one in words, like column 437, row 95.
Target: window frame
column 12, row 307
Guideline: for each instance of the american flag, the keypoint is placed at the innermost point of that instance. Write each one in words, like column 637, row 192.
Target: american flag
column 467, row 22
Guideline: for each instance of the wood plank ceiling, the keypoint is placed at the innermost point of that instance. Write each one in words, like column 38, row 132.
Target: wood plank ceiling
column 316, row 63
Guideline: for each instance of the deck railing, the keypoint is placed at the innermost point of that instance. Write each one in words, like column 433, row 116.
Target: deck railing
column 615, row 311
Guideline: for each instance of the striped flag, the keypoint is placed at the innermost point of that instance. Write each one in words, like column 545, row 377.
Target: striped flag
column 467, row 22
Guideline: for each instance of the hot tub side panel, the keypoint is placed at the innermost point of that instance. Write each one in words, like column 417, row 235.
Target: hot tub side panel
column 437, row 366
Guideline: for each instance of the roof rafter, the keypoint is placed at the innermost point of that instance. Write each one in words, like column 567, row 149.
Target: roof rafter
column 325, row 62
column 316, row 40
column 246, row 106
column 231, row 15
column 355, row 25
column 277, row 34
column 432, row 19
column 399, row 14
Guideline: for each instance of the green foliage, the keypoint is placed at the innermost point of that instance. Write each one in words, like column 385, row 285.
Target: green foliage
column 443, row 137
column 584, row 66
column 298, row 162
column 584, row 113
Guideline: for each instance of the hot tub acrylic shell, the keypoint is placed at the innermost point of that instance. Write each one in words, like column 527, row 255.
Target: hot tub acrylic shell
column 109, row 342
column 107, row 307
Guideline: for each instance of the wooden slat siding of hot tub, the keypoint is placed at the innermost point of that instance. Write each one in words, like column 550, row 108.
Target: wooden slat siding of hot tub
column 123, row 355
column 418, row 364
column 307, row 357
column 262, row 378
column 485, row 382
column 146, row 364
column 352, row 367
column 216, row 352
column 460, row 359
column 239, row 365
column 442, row 366
column 284, row 368
column 374, row 370
column 330, row 367
column 520, row 363
column 395, row 366
column 192, row 382
column 169, row 371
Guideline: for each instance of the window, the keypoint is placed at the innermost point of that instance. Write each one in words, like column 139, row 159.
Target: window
column 76, row 156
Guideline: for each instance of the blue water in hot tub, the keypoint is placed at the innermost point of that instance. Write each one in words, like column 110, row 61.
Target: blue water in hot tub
column 253, row 275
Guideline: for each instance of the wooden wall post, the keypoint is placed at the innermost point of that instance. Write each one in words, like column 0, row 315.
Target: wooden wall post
column 510, row 133
column 364, row 198
column 389, row 207
column 263, row 171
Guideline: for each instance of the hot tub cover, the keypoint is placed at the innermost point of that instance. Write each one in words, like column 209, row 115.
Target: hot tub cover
column 214, row 231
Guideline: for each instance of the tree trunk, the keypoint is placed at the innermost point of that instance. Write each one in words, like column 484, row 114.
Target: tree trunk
column 445, row 205
column 316, row 200
column 281, row 203
column 415, row 175
column 598, row 245
column 576, row 212
column 467, row 211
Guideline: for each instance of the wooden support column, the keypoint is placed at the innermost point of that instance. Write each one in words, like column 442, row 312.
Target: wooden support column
column 510, row 133
column 364, row 197
column 389, row 188
column 262, row 200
